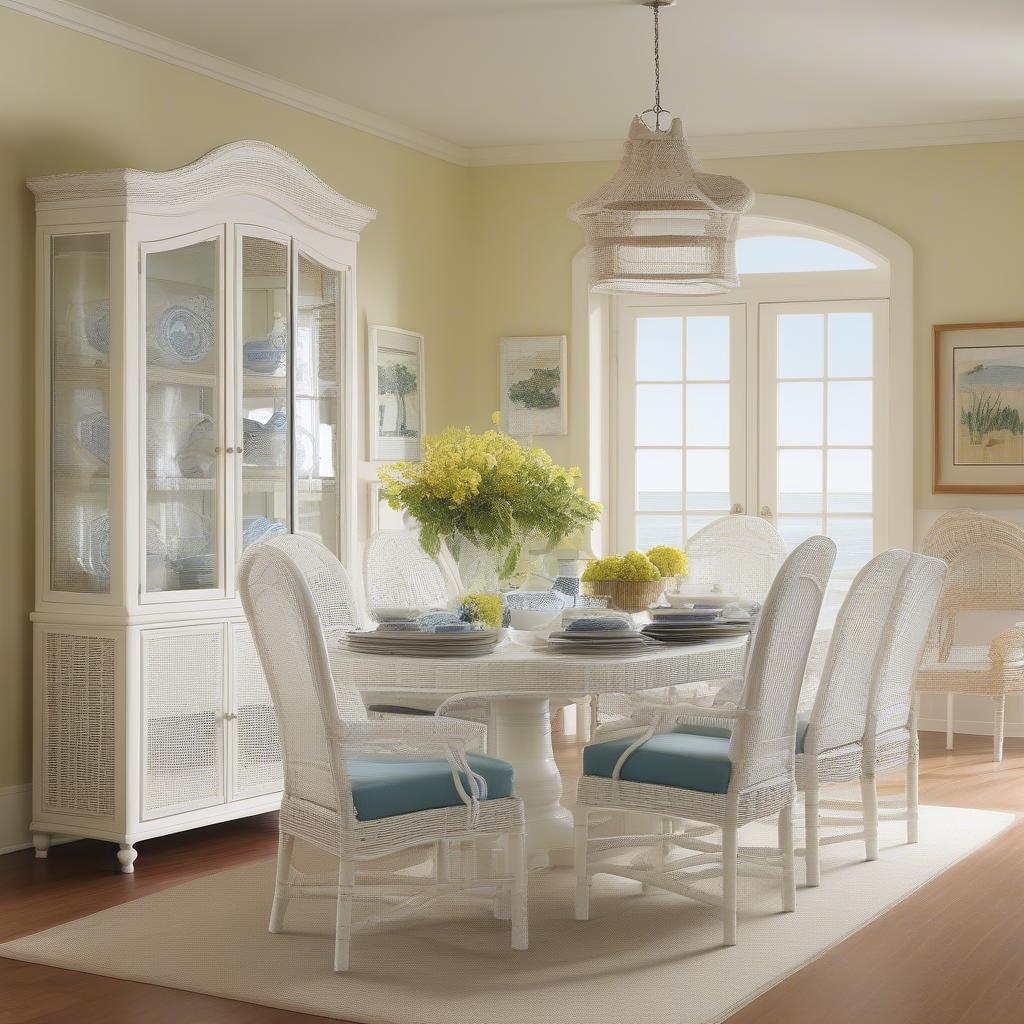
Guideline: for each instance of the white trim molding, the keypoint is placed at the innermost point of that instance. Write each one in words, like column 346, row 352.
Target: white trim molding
column 15, row 814
column 708, row 147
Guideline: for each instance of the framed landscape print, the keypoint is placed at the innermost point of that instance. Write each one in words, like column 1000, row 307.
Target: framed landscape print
column 531, row 385
column 979, row 408
column 395, row 394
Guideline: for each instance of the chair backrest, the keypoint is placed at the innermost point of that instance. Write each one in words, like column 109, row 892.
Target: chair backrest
column 985, row 556
column 763, row 742
column 398, row 573
column 741, row 554
column 872, row 637
column 298, row 600
column 920, row 590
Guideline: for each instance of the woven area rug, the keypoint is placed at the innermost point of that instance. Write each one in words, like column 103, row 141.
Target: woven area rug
column 653, row 958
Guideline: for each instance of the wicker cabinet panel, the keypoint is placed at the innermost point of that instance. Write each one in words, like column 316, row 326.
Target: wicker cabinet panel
column 183, row 726
column 255, row 748
column 78, row 723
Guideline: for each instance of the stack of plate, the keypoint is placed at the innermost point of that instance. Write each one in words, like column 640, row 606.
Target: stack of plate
column 418, row 644
column 694, row 625
column 603, row 642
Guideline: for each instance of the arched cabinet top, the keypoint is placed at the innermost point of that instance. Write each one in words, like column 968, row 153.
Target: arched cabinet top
column 238, row 168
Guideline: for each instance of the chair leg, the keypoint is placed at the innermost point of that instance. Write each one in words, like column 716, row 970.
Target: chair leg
column 999, row 727
column 730, row 842
column 520, row 875
column 869, row 799
column 913, row 761
column 665, row 828
column 583, row 731
column 812, row 859
column 949, row 721
column 788, row 858
column 285, row 848
column 582, row 874
column 594, row 721
column 343, row 917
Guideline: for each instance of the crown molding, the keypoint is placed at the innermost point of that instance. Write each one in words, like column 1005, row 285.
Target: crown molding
column 720, row 147
column 111, row 30
column 708, row 147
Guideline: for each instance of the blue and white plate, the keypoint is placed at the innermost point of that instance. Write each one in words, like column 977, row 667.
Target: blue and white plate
column 183, row 333
column 93, row 433
column 257, row 528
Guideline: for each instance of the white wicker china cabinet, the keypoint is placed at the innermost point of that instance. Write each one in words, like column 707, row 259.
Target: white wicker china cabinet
column 196, row 362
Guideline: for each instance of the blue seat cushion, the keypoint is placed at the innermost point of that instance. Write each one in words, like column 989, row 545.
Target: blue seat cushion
column 682, row 760
column 802, row 721
column 383, row 789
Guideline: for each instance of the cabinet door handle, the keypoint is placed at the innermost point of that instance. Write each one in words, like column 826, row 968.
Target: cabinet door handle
column 736, row 510
column 766, row 512
column 230, row 716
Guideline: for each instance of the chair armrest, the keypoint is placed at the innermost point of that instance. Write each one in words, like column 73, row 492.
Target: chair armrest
column 1008, row 646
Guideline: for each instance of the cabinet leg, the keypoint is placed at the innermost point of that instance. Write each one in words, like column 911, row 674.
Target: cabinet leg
column 126, row 858
column 41, row 841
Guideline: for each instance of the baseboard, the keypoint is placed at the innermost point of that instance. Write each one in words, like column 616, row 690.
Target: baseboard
column 15, row 816
column 970, row 728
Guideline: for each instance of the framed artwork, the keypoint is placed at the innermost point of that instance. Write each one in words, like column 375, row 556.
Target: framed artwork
column 532, row 385
column 395, row 394
column 979, row 408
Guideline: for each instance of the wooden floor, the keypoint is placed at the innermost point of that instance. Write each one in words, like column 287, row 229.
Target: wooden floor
column 953, row 953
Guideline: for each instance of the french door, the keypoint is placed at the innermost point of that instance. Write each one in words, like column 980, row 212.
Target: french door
column 682, row 423
column 775, row 409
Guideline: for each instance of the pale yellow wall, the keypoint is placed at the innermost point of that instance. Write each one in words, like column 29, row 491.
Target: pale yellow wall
column 961, row 208
column 69, row 102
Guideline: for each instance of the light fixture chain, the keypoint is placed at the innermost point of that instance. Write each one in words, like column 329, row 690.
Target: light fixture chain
column 657, row 70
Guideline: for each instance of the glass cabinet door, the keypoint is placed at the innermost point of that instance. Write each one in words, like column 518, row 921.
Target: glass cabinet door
column 319, row 319
column 265, row 360
column 183, row 415
column 80, row 414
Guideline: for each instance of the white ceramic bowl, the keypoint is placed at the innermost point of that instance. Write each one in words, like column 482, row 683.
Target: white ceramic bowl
column 529, row 618
column 710, row 600
column 398, row 614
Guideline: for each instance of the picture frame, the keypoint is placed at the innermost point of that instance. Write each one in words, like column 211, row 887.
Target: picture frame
column 978, row 436
column 532, row 383
column 395, row 398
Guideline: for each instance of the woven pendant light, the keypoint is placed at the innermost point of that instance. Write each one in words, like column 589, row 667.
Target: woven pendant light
column 659, row 224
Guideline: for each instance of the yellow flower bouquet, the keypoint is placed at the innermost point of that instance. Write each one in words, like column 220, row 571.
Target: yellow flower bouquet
column 490, row 490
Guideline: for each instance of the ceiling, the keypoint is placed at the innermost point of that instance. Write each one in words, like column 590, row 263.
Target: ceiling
column 487, row 73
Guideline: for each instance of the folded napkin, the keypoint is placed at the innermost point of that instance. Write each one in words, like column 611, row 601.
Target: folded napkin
column 437, row 622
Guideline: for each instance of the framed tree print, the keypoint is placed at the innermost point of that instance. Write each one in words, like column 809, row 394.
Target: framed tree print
column 532, row 385
column 979, row 408
column 395, row 394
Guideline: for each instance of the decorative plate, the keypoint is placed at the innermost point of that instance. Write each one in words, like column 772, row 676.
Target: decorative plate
column 184, row 331
column 92, row 432
column 99, row 547
column 259, row 528
column 97, row 325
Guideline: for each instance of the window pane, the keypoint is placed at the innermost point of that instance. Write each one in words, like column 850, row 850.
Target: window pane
column 786, row 254
column 853, row 541
column 659, row 414
column 849, row 412
column 800, row 483
column 796, row 529
column 707, row 414
column 695, row 523
column 652, row 530
column 800, row 413
column 849, row 344
column 707, row 348
column 707, row 480
column 801, row 345
column 849, row 480
column 659, row 348
column 659, row 481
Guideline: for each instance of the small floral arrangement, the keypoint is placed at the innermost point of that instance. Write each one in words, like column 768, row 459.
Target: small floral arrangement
column 489, row 489
column 634, row 567
column 486, row 608
column 669, row 560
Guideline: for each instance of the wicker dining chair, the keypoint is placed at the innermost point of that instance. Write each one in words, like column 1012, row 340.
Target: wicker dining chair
column 863, row 721
column 362, row 789
column 736, row 554
column 722, row 781
column 986, row 573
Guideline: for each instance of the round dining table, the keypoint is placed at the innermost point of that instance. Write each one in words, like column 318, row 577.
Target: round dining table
column 520, row 682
